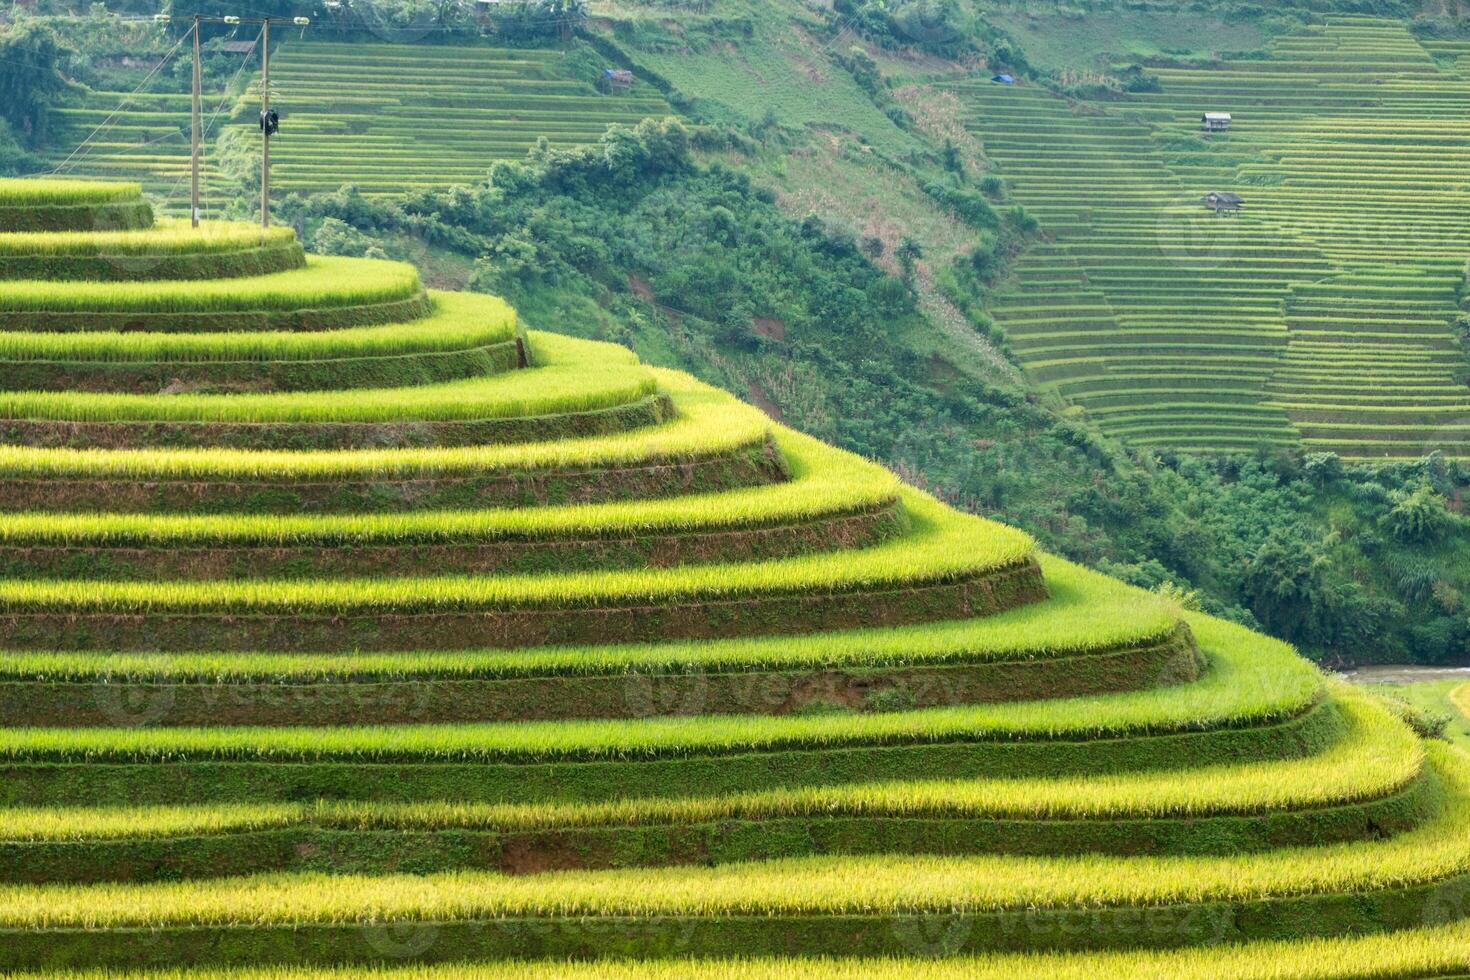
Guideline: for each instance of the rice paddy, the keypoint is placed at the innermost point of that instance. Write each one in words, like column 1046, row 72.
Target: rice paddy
column 459, row 321
column 69, row 193
column 166, row 237
column 387, row 118
column 1319, row 316
column 268, row 755
column 394, row 118
column 549, row 391
column 860, row 886
column 324, row 282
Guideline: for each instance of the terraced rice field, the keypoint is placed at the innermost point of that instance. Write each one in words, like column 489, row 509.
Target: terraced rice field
column 1320, row 316
column 390, row 118
column 143, row 138
column 509, row 647
column 395, row 118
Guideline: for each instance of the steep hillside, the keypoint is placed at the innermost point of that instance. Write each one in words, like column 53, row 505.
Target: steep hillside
column 143, row 138
column 348, row 621
column 392, row 118
column 1322, row 314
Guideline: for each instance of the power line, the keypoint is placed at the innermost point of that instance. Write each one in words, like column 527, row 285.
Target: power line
column 121, row 105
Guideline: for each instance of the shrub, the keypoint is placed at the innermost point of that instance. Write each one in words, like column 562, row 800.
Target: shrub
column 1417, row 516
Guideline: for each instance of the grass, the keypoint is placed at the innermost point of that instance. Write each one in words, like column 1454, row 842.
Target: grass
column 40, row 193
column 1251, row 682
column 710, row 422
column 942, row 546
column 324, row 282
column 1087, row 613
column 1377, row 758
column 822, row 886
column 460, row 321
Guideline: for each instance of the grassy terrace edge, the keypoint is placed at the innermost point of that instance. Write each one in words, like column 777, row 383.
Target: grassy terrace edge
column 463, row 336
column 1441, row 950
column 1369, row 784
column 1086, row 614
column 794, row 906
column 1248, row 686
column 714, row 442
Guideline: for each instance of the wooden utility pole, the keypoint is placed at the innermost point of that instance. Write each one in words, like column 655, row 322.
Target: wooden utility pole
column 265, row 133
column 195, row 132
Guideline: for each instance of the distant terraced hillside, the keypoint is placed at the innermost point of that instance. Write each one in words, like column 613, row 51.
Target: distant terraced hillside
column 347, row 622
column 389, row 118
column 1321, row 316
column 143, row 138
column 395, row 117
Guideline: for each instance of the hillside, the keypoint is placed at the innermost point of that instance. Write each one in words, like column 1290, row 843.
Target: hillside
column 389, row 118
column 1174, row 327
column 850, row 241
column 393, row 118
column 349, row 621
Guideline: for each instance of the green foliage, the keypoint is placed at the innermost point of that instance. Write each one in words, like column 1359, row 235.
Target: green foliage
column 1424, row 722
column 31, row 79
column 335, row 237
column 14, row 157
column 1417, row 515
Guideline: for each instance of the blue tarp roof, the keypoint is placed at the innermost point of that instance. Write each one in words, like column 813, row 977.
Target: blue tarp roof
column 1006, row 79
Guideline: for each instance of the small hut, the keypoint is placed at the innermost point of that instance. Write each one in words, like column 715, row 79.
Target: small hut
column 1224, row 202
column 1215, row 122
column 616, row 80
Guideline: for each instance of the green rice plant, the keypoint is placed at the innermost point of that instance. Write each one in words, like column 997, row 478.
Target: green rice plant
column 460, row 321
column 324, row 282
column 1431, row 950
column 1252, row 681
column 823, row 886
column 554, row 390
column 1086, row 613
column 166, row 237
column 1377, row 758
column 824, row 482
column 38, row 192
column 942, row 546
column 709, row 422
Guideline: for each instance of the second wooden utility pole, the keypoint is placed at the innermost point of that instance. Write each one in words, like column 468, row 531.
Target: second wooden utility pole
column 194, row 129
column 265, row 132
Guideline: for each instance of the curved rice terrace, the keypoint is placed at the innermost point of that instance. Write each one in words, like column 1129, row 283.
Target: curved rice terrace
column 1320, row 315
column 393, row 118
column 318, row 653
column 389, row 118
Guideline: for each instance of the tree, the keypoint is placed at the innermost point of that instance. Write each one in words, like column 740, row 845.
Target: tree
column 1417, row 516
column 908, row 253
column 950, row 155
column 1322, row 468
column 31, row 80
